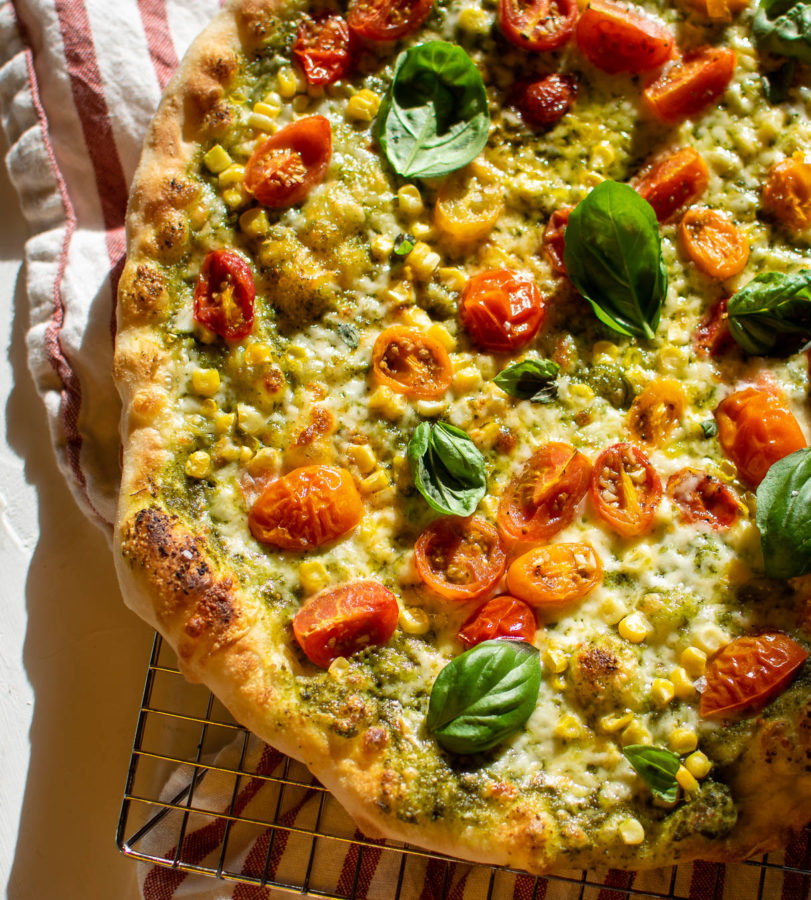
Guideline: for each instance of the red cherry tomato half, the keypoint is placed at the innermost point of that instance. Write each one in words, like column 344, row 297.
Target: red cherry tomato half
column 460, row 559
column 554, row 239
column 537, row 25
column 501, row 310
column 342, row 620
column 224, row 295
column 625, row 489
column 702, row 499
column 690, row 86
column 501, row 617
column 283, row 169
column 616, row 39
column 387, row 20
column 671, row 181
column 323, row 48
column 713, row 337
column 542, row 499
column 749, row 672
column 546, row 101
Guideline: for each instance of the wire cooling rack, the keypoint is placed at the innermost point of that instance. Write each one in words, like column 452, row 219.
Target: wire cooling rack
column 204, row 796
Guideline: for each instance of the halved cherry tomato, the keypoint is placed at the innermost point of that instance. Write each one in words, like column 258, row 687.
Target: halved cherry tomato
column 755, row 429
column 656, row 411
column 501, row 617
column 411, row 363
column 460, row 559
column 617, row 39
column 469, row 203
column 285, row 168
column 625, row 489
column 308, row 507
column 554, row 239
column 787, row 194
column 713, row 336
column 549, row 578
column 537, row 25
column 387, row 20
column 691, row 85
column 542, row 499
column 671, row 181
column 342, row 620
column 224, row 295
column 546, row 101
column 703, row 499
column 501, row 310
column 323, row 48
column 747, row 673
column 713, row 242
column 719, row 10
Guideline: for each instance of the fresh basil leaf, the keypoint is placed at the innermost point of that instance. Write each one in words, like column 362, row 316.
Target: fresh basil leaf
column 532, row 379
column 404, row 244
column 777, row 84
column 709, row 428
column 784, row 516
column 772, row 314
column 349, row 334
column 484, row 695
column 434, row 118
column 784, row 27
column 448, row 468
column 657, row 767
column 613, row 255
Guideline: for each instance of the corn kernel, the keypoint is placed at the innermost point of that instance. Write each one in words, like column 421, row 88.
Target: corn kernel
column 602, row 155
column 409, row 201
column 224, row 451
column 377, row 481
column 662, row 691
column 709, row 637
column 266, row 459
column 683, row 740
column 209, row 408
column 254, row 222
column 401, row 294
column 430, row 409
column 612, row 609
column 206, row 382
column 313, row 575
column 698, row 764
column 634, row 628
column 686, row 780
column 271, row 106
column 363, row 456
column 694, row 661
column 402, row 470
column 261, row 123
column 422, row 230
column 258, row 353
column 467, row 380
column 635, row 733
column 416, row 318
column 287, row 83
column 272, row 252
column 614, row 722
column 381, row 246
column 198, row 215
column 245, row 454
column 631, row 831
column 684, row 687
column 414, row 620
column 198, row 464
column 604, row 351
column 581, row 392
column 217, row 159
column 569, row 728
column 440, row 333
column 422, row 261
column 386, row 403
column 559, row 683
column 363, row 106
column 232, row 175
column 555, row 660
column 474, row 20
column 234, row 197
column 338, row 668
column 224, row 422
column 454, row 279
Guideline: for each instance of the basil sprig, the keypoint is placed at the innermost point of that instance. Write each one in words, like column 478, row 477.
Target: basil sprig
column 532, row 379
column 484, row 695
column 613, row 256
column 434, row 118
column 772, row 314
column 448, row 468
column 657, row 767
column 784, row 516
column 784, row 27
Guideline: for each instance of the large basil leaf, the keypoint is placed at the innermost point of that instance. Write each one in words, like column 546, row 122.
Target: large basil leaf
column 657, row 767
column 448, row 468
column 784, row 27
column 613, row 255
column 532, row 379
column 772, row 314
column 434, row 118
column 485, row 695
column 784, row 516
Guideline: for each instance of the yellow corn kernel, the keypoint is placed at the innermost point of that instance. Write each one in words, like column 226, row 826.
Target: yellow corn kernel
column 612, row 609
column 254, row 222
column 559, row 683
column 245, row 454
column 232, row 175
column 452, row 278
column 363, row 106
column 261, row 123
column 422, row 261
column 709, row 637
column 401, row 294
column 386, row 403
column 414, row 620
column 698, row 764
column 683, row 684
column 694, row 661
column 266, row 459
column 313, row 575
column 416, row 318
column 422, row 230
column 662, row 691
column 555, row 660
column 683, row 740
column 604, row 351
column 602, row 155
column 634, row 628
column 209, row 408
column 631, row 831
column 198, row 464
column 235, row 197
column 198, row 215
column 635, row 733
column 402, row 470
column 686, row 780
column 258, row 353
column 272, row 252
column 363, row 456
column 474, row 20
column 377, row 481
column 440, row 333
column 217, row 159
column 615, row 722
column 338, row 668
column 467, row 380
column 224, row 451
column 430, row 409
column 206, row 382
column 381, row 246
column 409, row 201
column 224, row 422
column 286, row 83
column 569, row 728
column 581, row 392
column 270, row 107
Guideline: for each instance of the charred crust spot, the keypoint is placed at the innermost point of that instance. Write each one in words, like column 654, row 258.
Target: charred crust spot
column 597, row 664
column 144, row 292
column 376, row 738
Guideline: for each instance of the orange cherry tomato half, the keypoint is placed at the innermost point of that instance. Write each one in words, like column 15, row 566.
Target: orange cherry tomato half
column 549, row 578
column 617, row 39
column 747, row 673
column 285, row 168
column 755, row 429
column 308, row 507
column 501, row 617
column 460, row 559
column 387, row 20
column 787, row 194
column 625, row 489
column 411, row 363
column 537, row 25
column 224, row 295
column 469, row 203
column 703, row 499
column 713, row 242
column 342, row 620
column 501, row 310
column 671, row 181
column 554, row 239
column 691, row 85
column 323, row 48
column 656, row 411
column 545, row 101
column 542, row 499
column 713, row 336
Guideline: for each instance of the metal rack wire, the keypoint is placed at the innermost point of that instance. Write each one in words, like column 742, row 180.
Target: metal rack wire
column 205, row 796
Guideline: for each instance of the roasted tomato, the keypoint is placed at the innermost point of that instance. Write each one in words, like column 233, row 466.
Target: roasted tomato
column 224, row 295
column 323, row 48
column 411, row 363
column 625, row 489
column 284, row 168
column 549, row 578
column 307, row 507
column 671, row 181
column 387, row 20
column 469, row 203
column 543, row 497
column 554, row 239
column 460, row 559
column 749, row 672
column 713, row 242
column 703, row 499
column 656, row 411
column 342, row 620
column 545, row 101
column 755, row 429
column 501, row 617
column 537, row 25
column 501, row 310
column 616, row 39
column 691, row 85
column 787, row 194
column 719, row 10
column 713, row 336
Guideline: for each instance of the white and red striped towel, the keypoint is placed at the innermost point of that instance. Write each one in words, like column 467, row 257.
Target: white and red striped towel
column 79, row 82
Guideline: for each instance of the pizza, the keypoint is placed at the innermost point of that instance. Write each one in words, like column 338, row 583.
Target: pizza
column 466, row 414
